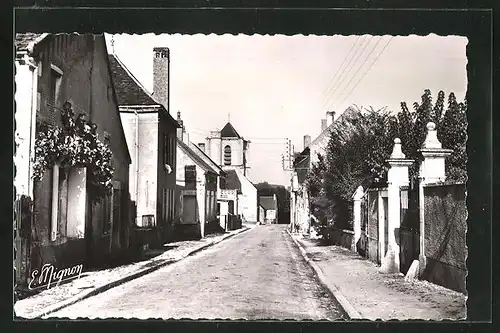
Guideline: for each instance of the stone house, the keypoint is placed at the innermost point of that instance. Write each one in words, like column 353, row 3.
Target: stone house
column 198, row 181
column 150, row 132
column 270, row 206
column 230, row 151
column 64, row 226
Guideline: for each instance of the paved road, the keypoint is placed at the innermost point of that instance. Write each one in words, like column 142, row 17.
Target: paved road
column 259, row 274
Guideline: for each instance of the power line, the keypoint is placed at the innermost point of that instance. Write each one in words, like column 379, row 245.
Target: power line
column 364, row 74
column 364, row 62
column 355, row 61
column 332, row 87
column 341, row 66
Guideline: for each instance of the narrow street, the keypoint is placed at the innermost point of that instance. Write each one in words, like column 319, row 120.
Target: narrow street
column 259, row 274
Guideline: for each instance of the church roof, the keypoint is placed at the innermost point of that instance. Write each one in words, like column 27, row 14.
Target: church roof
column 229, row 132
column 232, row 181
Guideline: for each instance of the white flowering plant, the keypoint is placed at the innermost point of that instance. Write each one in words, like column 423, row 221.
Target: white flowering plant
column 76, row 144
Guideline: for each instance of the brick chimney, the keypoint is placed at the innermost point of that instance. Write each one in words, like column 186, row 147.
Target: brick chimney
column 202, row 146
column 330, row 115
column 307, row 141
column 323, row 125
column 181, row 130
column 161, row 76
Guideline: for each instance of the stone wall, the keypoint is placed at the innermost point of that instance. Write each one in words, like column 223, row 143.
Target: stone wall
column 445, row 235
column 340, row 237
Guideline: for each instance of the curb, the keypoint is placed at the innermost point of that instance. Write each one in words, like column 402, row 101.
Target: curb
column 119, row 281
column 344, row 304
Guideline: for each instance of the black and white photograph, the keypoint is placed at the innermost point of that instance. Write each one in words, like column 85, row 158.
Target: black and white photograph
column 235, row 176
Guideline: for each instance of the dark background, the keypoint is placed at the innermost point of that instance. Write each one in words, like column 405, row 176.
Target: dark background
column 287, row 17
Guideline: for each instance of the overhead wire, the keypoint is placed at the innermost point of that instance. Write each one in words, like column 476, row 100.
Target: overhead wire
column 359, row 68
column 368, row 69
column 347, row 74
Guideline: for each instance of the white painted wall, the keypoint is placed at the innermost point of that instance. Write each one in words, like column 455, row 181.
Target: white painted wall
column 77, row 194
column 144, row 166
column 247, row 201
column 25, row 111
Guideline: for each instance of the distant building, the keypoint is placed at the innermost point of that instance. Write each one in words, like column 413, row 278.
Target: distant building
column 230, row 150
column 270, row 207
column 197, row 196
column 300, row 201
column 151, row 136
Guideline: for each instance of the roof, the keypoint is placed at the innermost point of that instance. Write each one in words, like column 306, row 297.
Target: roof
column 27, row 41
column 232, row 181
column 229, row 132
column 129, row 90
column 349, row 112
column 205, row 157
column 201, row 163
column 267, row 202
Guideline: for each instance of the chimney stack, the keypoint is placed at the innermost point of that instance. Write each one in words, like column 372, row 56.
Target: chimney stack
column 307, row 141
column 161, row 76
column 323, row 125
column 330, row 115
column 180, row 130
column 202, row 146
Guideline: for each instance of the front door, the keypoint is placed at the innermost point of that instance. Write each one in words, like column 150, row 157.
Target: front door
column 189, row 209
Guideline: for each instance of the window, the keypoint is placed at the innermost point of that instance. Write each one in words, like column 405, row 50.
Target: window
column 116, row 212
column 169, row 150
column 54, row 85
column 172, row 206
column 106, row 214
column 164, row 204
column 227, row 155
column 168, row 201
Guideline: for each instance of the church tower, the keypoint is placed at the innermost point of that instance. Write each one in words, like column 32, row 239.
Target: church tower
column 228, row 149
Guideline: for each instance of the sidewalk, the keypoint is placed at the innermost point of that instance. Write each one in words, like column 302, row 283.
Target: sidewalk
column 95, row 282
column 367, row 294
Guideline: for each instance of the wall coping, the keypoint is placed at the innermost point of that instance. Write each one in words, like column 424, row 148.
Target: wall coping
column 343, row 230
column 443, row 184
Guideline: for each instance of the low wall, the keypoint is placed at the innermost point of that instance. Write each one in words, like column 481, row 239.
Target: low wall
column 445, row 235
column 409, row 243
column 145, row 236
column 187, row 231
column 367, row 247
column 341, row 237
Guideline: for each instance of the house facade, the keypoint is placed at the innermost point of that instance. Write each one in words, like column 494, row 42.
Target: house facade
column 230, row 151
column 197, row 186
column 150, row 131
column 300, row 206
column 61, row 223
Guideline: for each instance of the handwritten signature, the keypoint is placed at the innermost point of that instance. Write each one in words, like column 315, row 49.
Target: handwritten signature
column 49, row 275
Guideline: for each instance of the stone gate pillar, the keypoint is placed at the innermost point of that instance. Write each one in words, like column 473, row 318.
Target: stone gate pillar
column 396, row 177
column 431, row 171
column 358, row 195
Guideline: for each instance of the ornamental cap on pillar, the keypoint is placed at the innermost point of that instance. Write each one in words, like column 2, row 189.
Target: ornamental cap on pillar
column 431, row 140
column 396, row 151
column 358, row 195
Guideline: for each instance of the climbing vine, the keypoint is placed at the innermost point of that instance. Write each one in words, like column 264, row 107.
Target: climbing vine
column 75, row 144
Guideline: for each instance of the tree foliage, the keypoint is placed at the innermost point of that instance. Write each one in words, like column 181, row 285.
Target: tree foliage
column 361, row 141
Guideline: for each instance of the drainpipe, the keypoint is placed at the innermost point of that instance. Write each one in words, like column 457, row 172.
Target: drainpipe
column 136, row 160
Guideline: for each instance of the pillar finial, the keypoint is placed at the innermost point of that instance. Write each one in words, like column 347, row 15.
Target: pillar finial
column 396, row 151
column 431, row 140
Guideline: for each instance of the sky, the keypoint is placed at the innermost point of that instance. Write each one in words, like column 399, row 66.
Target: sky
column 274, row 88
